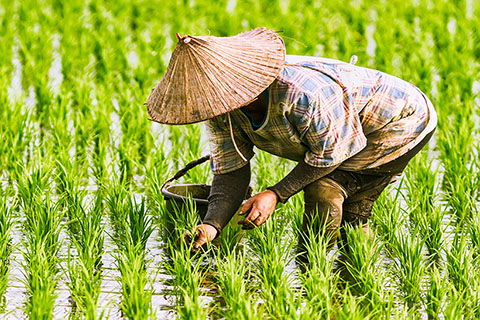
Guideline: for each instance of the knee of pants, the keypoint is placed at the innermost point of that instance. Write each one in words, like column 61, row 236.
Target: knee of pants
column 323, row 201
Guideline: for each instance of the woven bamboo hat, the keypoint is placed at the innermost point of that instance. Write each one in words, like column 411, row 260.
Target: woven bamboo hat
column 208, row 76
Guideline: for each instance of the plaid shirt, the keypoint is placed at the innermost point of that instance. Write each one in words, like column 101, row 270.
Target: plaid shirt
column 327, row 112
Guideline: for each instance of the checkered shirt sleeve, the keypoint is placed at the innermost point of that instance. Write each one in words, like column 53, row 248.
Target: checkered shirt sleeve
column 223, row 156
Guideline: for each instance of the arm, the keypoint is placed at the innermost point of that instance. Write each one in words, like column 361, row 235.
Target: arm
column 302, row 175
column 226, row 195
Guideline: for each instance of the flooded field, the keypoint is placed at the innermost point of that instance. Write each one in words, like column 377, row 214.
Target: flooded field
column 82, row 218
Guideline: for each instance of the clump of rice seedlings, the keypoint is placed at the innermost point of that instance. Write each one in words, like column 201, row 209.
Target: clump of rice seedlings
column 232, row 278
column 455, row 305
column 31, row 183
column 350, row 307
column 100, row 144
column 275, row 282
column 424, row 215
column 460, row 262
column 131, row 236
column 184, row 263
column 42, row 229
column 462, row 272
column 117, row 202
column 362, row 263
column 433, row 233
column 462, row 199
column 459, row 183
column 155, row 200
column 6, row 224
column 435, row 294
column 13, row 134
column 228, row 240
column 185, row 268
column 180, row 223
column 132, row 228
column 387, row 217
column 186, row 278
column 319, row 282
column 409, row 266
column 84, row 271
column 420, row 184
column 69, row 187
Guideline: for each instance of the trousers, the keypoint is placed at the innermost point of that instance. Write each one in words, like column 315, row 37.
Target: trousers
column 346, row 197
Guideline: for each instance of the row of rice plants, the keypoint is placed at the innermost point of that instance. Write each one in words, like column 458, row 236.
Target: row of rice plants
column 185, row 265
column 132, row 227
column 42, row 226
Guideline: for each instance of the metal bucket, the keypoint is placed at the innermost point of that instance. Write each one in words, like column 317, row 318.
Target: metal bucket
column 178, row 195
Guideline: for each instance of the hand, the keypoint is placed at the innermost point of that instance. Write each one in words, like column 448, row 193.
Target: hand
column 203, row 233
column 261, row 207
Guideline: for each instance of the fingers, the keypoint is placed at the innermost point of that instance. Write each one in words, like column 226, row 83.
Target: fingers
column 200, row 238
column 247, row 206
column 256, row 221
column 254, row 213
column 196, row 241
column 255, row 218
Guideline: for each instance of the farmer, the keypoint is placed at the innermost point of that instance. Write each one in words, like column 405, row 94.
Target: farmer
column 351, row 130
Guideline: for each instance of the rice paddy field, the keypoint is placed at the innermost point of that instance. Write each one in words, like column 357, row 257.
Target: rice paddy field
column 82, row 218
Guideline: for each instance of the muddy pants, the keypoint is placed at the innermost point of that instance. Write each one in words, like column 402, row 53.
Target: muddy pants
column 345, row 197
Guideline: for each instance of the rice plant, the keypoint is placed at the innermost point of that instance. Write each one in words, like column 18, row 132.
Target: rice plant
column 85, row 270
column 409, row 267
column 367, row 279
column 132, row 229
column 319, row 279
column 42, row 228
column 6, row 224
column 270, row 265
column 233, row 278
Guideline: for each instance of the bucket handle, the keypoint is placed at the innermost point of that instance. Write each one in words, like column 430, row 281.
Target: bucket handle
column 187, row 167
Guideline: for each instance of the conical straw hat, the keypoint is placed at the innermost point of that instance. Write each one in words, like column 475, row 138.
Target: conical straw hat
column 208, row 76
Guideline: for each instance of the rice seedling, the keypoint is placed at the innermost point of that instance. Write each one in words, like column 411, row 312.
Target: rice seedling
column 409, row 267
column 319, row 280
column 387, row 217
column 186, row 278
column 361, row 262
column 132, row 229
column 435, row 294
column 461, row 263
column 270, row 265
column 85, row 270
column 42, row 229
column 6, row 224
column 233, row 276
column 185, row 269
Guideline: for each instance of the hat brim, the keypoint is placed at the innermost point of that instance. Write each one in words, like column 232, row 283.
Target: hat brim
column 208, row 76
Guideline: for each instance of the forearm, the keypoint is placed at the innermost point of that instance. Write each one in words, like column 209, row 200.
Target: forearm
column 300, row 176
column 226, row 195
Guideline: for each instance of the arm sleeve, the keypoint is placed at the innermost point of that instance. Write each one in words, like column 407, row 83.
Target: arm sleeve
column 302, row 175
column 226, row 195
